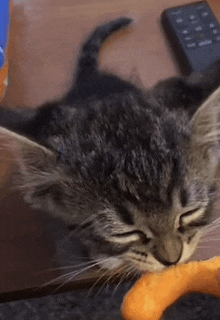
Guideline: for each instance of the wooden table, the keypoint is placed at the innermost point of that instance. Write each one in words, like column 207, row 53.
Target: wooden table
column 44, row 41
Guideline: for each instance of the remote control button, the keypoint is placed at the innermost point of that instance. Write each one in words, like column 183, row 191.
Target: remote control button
column 194, row 22
column 188, row 38
column 192, row 17
column 198, row 28
column 185, row 31
column 201, row 6
column 179, row 20
column 217, row 39
column 215, row 31
column 175, row 12
column 205, row 43
column 191, row 45
column 213, row 25
column 206, row 15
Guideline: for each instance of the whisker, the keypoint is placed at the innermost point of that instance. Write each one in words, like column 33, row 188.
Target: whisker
column 63, row 284
column 210, row 239
column 211, row 227
column 136, row 274
column 129, row 270
column 73, row 273
column 96, row 282
column 73, row 266
column 77, row 272
column 211, row 231
column 107, row 281
column 54, row 280
column 213, row 224
column 70, row 278
column 202, row 247
column 216, row 219
column 68, row 267
column 209, row 247
column 89, row 219
column 209, row 235
column 114, row 273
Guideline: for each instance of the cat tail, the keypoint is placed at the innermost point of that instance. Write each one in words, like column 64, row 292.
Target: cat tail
column 88, row 61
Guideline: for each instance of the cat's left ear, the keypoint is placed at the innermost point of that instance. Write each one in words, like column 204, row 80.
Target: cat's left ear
column 204, row 146
column 37, row 164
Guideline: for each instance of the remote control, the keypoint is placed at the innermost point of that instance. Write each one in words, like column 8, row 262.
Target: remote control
column 194, row 34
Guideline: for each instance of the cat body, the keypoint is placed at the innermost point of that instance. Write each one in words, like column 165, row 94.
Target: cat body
column 132, row 171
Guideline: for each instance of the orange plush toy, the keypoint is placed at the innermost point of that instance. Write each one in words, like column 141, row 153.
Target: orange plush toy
column 154, row 294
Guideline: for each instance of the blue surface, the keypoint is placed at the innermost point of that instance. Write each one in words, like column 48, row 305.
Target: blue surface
column 4, row 26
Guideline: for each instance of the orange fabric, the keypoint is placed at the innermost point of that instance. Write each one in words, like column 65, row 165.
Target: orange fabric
column 3, row 80
column 155, row 292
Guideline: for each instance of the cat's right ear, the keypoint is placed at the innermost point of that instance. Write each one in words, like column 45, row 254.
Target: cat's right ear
column 16, row 134
column 29, row 155
column 37, row 165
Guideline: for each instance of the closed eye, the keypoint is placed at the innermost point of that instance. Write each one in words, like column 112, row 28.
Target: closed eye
column 193, row 218
column 129, row 237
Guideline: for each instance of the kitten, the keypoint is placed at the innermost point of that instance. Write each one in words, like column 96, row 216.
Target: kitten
column 134, row 172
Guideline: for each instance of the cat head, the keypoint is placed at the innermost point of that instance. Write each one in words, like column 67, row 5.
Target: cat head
column 135, row 180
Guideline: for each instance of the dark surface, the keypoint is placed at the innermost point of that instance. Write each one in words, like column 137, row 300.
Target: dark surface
column 195, row 306
column 95, row 304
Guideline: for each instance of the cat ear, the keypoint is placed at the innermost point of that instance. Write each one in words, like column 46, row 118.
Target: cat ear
column 37, row 164
column 205, row 134
column 29, row 155
column 205, row 122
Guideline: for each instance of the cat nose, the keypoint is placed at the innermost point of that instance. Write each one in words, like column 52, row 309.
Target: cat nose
column 168, row 263
column 168, row 251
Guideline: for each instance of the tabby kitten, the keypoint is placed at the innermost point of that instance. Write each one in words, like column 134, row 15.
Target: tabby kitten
column 133, row 171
